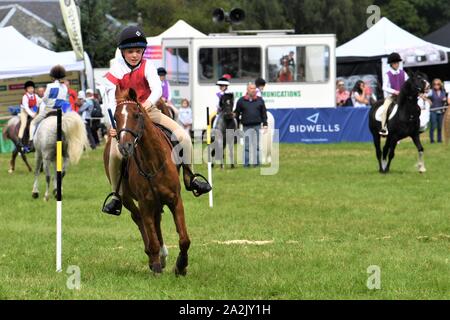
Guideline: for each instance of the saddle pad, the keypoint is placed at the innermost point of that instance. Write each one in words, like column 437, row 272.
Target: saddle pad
column 380, row 111
column 424, row 116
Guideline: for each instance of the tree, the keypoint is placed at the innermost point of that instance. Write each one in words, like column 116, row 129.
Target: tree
column 345, row 18
column 99, row 37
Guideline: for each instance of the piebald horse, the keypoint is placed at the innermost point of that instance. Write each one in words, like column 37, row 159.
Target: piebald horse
column 404, row 121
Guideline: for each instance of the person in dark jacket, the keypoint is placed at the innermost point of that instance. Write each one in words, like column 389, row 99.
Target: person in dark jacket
column 251, row 112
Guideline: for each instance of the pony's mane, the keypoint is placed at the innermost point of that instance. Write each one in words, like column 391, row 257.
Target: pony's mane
column 126, row 95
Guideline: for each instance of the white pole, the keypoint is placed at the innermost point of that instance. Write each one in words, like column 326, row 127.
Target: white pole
column 58, row 236
column 211, row 183
column 208, row 141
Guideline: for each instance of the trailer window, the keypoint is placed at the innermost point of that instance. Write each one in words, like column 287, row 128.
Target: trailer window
column 298, row 64
column 243, row 64
column 176, row 63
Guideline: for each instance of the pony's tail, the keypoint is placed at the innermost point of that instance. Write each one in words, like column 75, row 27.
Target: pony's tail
column 75, row 134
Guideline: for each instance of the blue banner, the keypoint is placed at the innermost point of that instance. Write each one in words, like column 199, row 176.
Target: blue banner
column 322, row 125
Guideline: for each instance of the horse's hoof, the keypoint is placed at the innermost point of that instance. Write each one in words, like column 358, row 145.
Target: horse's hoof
column 156, row 268
column 181, row 265
column 422, row 170
column 10, row 171
column 179, row 272
column 46, row 198
column 35, row 195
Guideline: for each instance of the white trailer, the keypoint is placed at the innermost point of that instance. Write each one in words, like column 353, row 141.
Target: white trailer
column 195, row 64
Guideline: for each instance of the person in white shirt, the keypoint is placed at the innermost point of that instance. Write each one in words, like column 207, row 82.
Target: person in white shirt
column 54, row 98
column 358, row 96
column 185, row 116
column 393, row 81
column 260, row 85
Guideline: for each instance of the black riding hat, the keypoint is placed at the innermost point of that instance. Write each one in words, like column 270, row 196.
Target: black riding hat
column 260, row 82
column 132, row 37
column 29, row 83
column 162, row 71
column 58, row 72
column 394, row 57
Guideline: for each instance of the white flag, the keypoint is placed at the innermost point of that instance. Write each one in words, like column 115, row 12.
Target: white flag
column 72, row 21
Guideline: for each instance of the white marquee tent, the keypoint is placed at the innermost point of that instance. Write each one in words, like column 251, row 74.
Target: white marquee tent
column 382, row 39
column 20, row 57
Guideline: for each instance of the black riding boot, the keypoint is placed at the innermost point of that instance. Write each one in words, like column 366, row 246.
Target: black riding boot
column 113, row 207
column 20, row 145
column 30, row 147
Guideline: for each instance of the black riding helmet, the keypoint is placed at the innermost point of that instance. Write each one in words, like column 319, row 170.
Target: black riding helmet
column 29, row 83
column 162, row 71
column 394, row 57
column 58, row 72
column 132, row 37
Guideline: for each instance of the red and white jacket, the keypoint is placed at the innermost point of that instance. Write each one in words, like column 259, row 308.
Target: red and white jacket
column 144, row 80
column 30, row 104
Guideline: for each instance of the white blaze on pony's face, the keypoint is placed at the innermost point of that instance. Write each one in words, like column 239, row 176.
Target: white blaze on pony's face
column 125, row 117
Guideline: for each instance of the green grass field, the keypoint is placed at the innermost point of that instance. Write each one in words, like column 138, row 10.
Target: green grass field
column 328, row 215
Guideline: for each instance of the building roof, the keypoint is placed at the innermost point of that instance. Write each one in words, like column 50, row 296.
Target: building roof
column 47, row 11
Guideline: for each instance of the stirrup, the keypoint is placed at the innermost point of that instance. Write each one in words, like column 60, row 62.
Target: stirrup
column 197, row 175
column 109, row 197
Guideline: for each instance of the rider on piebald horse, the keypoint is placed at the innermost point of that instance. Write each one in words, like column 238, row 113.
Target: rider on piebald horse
column 28, row 109
column 393, row 81
column 54, row 98
column 223, row 84
column 132, row 71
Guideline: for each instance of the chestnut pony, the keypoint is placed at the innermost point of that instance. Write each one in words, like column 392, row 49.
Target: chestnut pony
column 150, row 177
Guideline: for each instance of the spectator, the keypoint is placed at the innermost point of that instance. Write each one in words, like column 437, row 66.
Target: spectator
column 285, row 74
column 185, row 116
column 438, row 101
column 251, row 112
column 40, row 92
column 342, row 94
column 291, row 61
column 96, row 115
column 260, row 85
column 71, row 96
column 359, row 98
column 86, row 106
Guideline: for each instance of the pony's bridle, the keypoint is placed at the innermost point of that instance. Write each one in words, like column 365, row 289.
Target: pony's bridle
column 137, row 135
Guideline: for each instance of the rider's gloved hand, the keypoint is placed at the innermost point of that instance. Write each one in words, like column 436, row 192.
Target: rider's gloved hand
column 147, row 106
